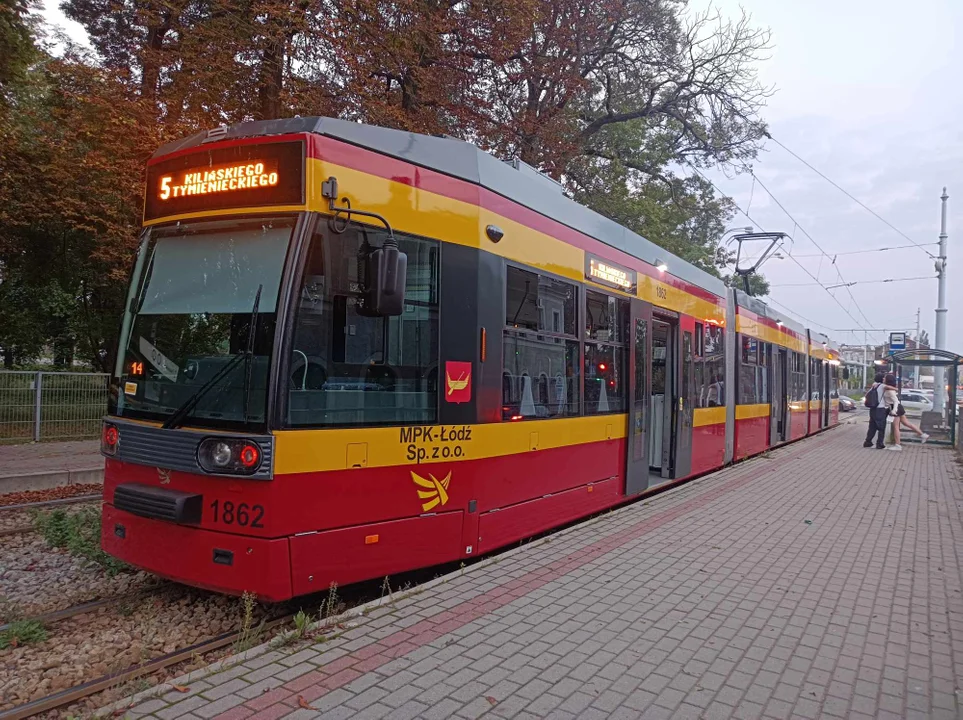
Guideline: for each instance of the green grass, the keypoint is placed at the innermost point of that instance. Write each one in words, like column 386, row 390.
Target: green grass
column 22, row 632
column 77, row 532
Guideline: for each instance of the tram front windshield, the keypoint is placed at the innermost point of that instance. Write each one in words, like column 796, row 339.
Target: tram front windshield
column 202, row 321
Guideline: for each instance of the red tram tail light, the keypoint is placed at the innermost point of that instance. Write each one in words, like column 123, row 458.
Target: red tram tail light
column 229, row 456
column 250, row 456
column 109, row 439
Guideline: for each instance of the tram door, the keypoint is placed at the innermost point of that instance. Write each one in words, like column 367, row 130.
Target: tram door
column 684, row 408
column 827, row 395
column 640, row 377
column 670, row 400
column 779, row 427
column 817, row 392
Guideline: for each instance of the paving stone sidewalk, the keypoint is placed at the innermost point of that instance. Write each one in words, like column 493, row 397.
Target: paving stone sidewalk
column 37, row 466
column 823, row 581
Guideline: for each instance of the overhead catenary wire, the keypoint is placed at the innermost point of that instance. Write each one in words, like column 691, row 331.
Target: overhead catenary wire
column 797, row 314
column 857, row 282
column 861, row 252
column 832, row 259
column 788, row 255
column 854, row 199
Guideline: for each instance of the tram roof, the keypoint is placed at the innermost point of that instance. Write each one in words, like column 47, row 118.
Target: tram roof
column 517, row 181
column 761, row 308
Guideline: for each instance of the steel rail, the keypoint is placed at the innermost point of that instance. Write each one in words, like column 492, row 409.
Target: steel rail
column 16, row 530
column 59, row 501
column 86, row 607
column 79, row 692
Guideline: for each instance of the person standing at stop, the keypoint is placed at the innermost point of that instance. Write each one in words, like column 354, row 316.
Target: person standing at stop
column 878, row 413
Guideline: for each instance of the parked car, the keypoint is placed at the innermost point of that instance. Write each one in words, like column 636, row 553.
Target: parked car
column 846, row 404
column 915, row 402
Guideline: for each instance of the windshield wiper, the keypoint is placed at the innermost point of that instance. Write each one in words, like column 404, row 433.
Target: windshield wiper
column 179, row 415
column 249, row 357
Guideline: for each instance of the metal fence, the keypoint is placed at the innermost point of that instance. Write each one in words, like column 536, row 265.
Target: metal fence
column 37, row 406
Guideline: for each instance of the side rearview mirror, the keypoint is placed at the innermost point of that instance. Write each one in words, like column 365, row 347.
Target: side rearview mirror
column 385, row 279
column 845, row 373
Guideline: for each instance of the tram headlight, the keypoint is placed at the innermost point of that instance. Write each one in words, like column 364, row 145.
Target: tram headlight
column 229, row 456
column 221, row 454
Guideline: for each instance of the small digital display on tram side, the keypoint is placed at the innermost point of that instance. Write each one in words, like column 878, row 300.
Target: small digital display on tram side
column 242, row 176
column 607, row 273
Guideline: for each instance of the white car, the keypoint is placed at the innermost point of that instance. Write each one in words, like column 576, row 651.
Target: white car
column 915, row 402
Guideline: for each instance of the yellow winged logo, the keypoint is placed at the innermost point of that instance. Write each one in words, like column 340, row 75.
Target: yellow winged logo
column 435, row 492
column 459, row 384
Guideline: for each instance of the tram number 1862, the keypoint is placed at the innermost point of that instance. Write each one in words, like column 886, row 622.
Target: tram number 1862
column 240, row 514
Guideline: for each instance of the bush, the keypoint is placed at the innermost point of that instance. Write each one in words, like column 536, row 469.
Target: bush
column 22, row 632
column 79, row 534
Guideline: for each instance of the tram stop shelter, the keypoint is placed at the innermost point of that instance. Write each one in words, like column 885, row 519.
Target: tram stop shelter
column 941, row 422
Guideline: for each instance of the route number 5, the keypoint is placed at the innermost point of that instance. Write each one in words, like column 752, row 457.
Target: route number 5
column 165, row 187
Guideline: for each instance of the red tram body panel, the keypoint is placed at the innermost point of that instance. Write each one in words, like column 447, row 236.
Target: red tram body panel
column 544, row 363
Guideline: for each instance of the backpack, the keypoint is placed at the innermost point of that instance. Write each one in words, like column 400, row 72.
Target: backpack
column 872, row 397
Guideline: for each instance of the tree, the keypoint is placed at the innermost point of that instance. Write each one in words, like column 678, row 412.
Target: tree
column 687, row 89
column 758, row 285
column 684, row 216
column 614, row 98
column 69, row 202
column 17, row 49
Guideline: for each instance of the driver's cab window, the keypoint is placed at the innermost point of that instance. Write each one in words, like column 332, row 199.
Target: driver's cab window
column 347, row 368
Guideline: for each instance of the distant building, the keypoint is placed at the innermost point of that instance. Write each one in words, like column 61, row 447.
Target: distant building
column 852, row 357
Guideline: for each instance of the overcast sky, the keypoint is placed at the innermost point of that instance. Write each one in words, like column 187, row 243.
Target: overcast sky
column 867, row 91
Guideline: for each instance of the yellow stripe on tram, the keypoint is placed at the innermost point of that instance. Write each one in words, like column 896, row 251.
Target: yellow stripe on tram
column 746, row 412
column 302, row 451
column 708, row 416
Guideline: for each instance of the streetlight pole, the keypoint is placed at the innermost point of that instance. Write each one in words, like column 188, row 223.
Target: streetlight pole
column 940, row 390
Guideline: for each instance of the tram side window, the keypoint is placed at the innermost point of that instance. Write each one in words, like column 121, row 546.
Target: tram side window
column 799, row 377
column 715, row 366
column 348, row 369
column 710, row 366
column 762, row 373
column 815, row 385
column 748, row 363
column 699, row 368
column 540, row 377
column 606, row 330
column 753, row 378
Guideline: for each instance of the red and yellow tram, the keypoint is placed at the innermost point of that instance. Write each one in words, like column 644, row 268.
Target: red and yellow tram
column 349, row 352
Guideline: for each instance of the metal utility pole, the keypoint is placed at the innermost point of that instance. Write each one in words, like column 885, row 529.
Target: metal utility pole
column 865, row 364
column 916, row 370
column 940, row 389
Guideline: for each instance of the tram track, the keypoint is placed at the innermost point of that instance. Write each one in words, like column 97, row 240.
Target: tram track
column 352, row 597
column 40, row 505
column 83, row 608
column 105, row 682
column 6, row 532
column 52, row 503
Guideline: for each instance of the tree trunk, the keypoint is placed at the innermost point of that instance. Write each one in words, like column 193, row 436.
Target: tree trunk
column 272, row 78
column 151, row 73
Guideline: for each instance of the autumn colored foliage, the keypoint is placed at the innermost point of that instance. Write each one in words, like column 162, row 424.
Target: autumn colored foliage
column 615, row 98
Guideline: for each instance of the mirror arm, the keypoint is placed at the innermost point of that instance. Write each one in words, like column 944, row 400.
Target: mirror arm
column 329, row 190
